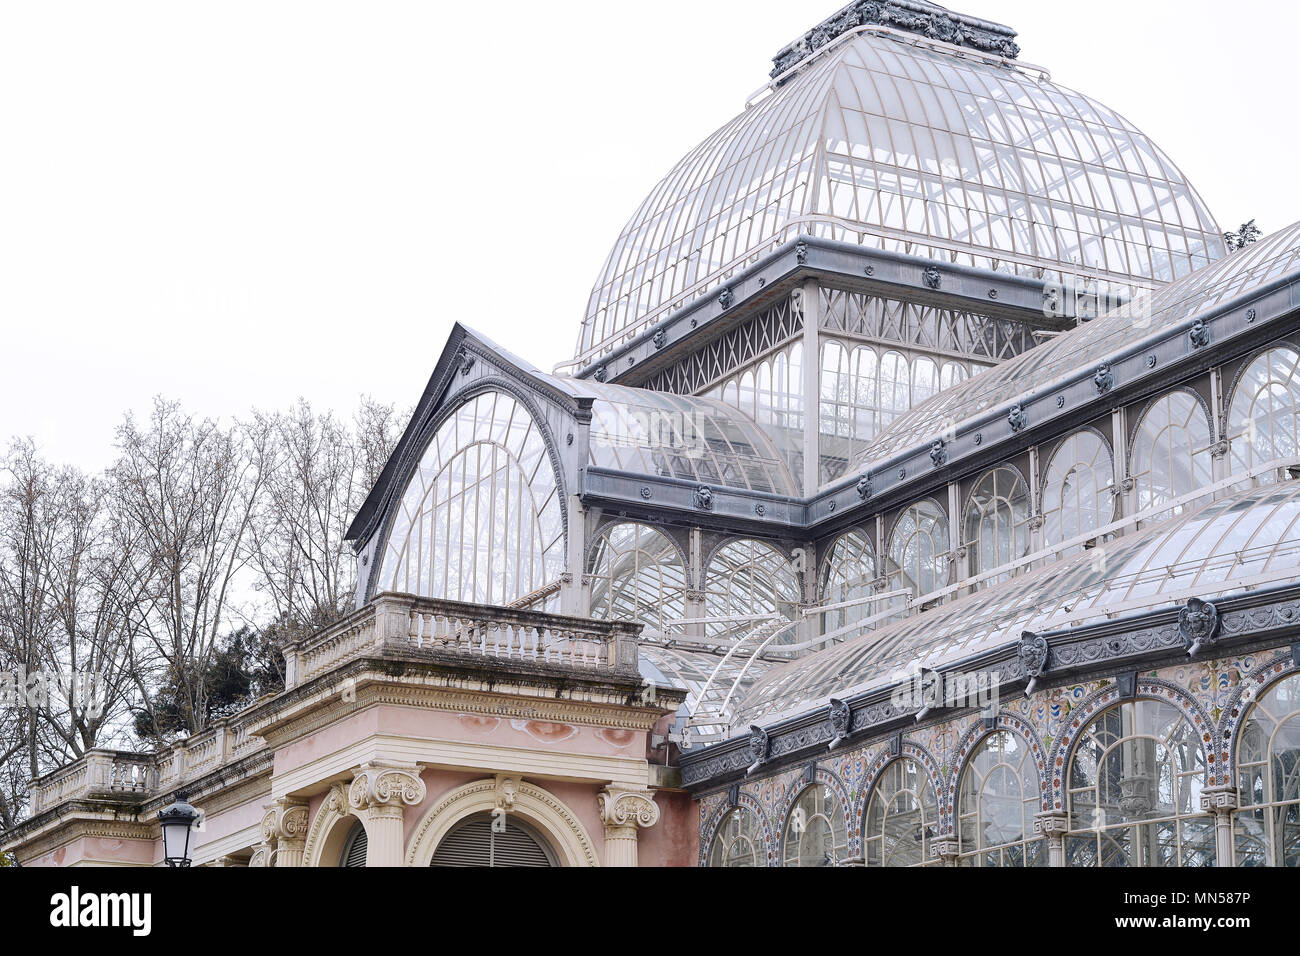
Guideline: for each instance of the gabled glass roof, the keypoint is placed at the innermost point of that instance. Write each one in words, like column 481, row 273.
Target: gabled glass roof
column 1242, row 541
column 1091, row 343
column 901, row 146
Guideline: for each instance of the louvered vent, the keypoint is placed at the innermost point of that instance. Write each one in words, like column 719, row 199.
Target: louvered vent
column 354, row 853
column 473, row 843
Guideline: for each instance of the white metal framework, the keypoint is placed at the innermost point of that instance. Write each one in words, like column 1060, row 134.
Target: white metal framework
column 997, row 803
column 1267, row 827
column 902, row 816
column 815, row 833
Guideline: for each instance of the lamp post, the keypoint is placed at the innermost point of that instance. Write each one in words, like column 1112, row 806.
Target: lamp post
column 177, row 821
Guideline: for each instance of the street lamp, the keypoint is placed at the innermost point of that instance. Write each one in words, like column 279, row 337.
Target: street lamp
column 177, row 820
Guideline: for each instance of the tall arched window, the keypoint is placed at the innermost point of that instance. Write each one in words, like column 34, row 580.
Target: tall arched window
column 637, row 574
column 1264, row 418
column 738, row 841
column 1267, row 827
column 815, row 834
column 902, row 816
column 847, row 574
column 999, row 798
column 997, row 521
column 1135, row 783
column 746, row 578
column 895, row 387
column 1171, row 450
column 1078, row 489
column 486, row 841
column 918, row 548
column 480, row 518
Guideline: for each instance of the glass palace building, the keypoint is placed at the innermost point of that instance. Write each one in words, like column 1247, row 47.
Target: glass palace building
column 924, row 490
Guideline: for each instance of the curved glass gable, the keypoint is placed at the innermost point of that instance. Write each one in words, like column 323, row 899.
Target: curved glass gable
column 900, row 147
column 480, row 519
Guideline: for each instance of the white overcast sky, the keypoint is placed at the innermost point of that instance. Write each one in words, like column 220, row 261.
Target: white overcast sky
column 235, row 204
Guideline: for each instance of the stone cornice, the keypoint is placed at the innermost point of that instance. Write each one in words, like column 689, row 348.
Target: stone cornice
column 374, row 681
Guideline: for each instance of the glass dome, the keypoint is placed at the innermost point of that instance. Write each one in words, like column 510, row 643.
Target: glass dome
column 915, row 147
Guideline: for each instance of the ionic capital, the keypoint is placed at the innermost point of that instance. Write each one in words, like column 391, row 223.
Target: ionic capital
column 627, row 808
column 376, row 785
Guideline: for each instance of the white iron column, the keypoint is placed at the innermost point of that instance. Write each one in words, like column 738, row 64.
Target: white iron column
column 1222, row 802
column 1053, row 825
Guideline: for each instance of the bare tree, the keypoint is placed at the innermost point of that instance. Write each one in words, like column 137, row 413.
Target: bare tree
column 319, row 472
column 184, row 491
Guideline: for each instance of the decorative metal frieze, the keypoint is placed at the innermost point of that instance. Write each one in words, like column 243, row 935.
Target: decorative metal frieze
column 704, row 498
column 646, row 493
column 1199, row 335
column 661, row 338
column 726, row 298
column 938, row 453
column 1198, row 625
column 1016, row 417
column 760, row 509
column 932, row 278
column 864, row 487
column 1103, row 379
column 910, row 16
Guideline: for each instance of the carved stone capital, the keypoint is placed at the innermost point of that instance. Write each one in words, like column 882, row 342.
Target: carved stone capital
column 1052, row 824
column 627, row 808
column 285, row 821
column 947, row 849
column 379, row 785
column 1219, row 800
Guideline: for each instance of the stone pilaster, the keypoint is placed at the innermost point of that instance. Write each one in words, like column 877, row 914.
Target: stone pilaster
column 623, row 812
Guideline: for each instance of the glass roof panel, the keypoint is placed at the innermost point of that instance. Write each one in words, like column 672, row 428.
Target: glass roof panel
column 1090, row 343
column 898, row 146
column 1228, row 545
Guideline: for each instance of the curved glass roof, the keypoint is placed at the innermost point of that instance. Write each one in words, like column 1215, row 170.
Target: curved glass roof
column 1238, row 542
column 901, row 146
column 659, row 434
column 1091, row 343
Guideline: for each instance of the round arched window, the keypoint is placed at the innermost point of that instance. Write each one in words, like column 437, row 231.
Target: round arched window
column 738, row 841
column 486, row 840
column 1267, row 827
column 999, row 798
column 815, row 833
column 1135, row 783
column 902, row 816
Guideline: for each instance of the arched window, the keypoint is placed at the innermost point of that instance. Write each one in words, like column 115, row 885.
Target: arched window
column 1264, row 418
column 918, row 548
column 355, row 847
column 1267, row 827
column 925, row 380
column 637, row 574
column 1078, row 490
column 847, row 575
column 902, row 816
column 815, row 834
column 1171, row 450
column 747, row 578
column 895, row 387
column 484, row 840
column 997, row 521
column 1135, row 783
column 480, row 519
column 848, row 406
column 738, row 840
column 999, row 798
